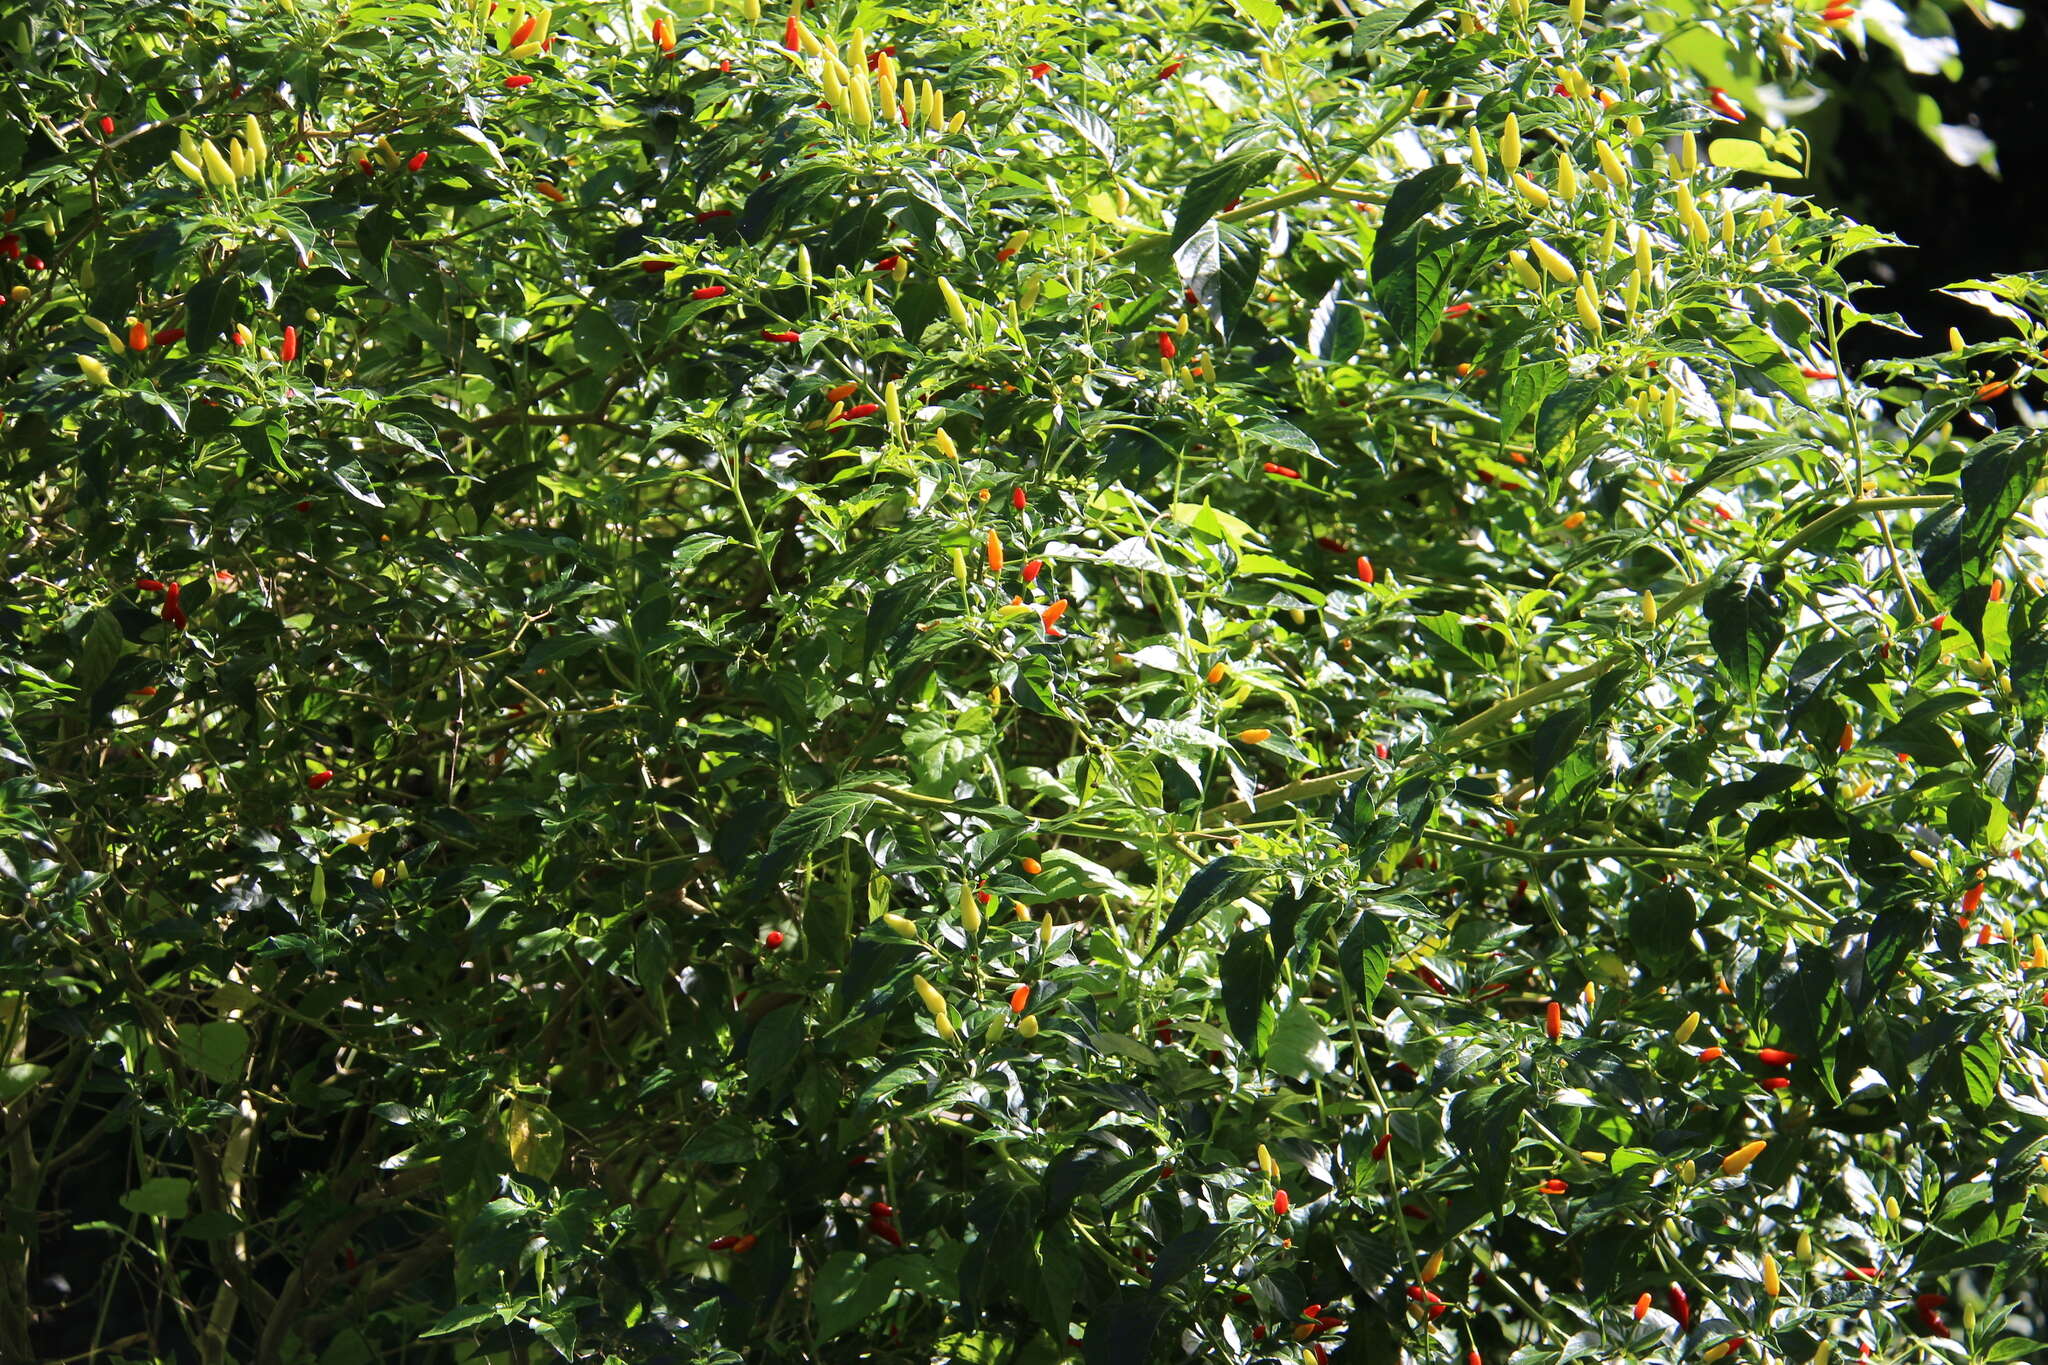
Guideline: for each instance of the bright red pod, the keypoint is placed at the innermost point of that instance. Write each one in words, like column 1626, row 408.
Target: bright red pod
column 1811, row 373
column 1017, row 497
column 721, row 1243
column 169, row 335
column 149, row 585
column 657, row 267
column 1555, row 1186
column 320, row 779
column 1364, row 567
column 519, row 82
column 1040, row 70
column 1282, row 470
column 1031, row 570
column 887, row 264
column 1167, row 349
column 419, row 159
column 107, row 124
column 886, row 1230
column 524, row 31
column 1457, row 310
column 289, row 350
column 1776, row 1056
column 1972, row 898
column 1553, row 1020
column 783, row 337
column 1775, row 1082
column 1281, row 1204
column 1681, row 1307
column 1335, row 547
column 789, row 31
column 860, row 410
column 1379, row 1148
column 364, row 162
column 1379, row 750
column 1724, row 106
column 1170, row 70
column 773, row 938
column 709, row 291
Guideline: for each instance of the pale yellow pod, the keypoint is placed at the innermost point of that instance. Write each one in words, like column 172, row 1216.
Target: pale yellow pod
column 1589, row 312
column 1535, row 194
column 858, row 106
column 956, row 308
column 1477, row 147
column 1518, row 262
column 1689, row 152
column 1511, row 145
column 187, row 168
column 1567, row 179
column 1555, row 265
column 1611, row 166
column 252, row 131
column 217, row 168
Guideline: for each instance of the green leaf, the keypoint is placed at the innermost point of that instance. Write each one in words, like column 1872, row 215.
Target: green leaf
column 216, row 1050
column 1978, row 1058
column 1219, row 263
column 18, row 1078
column 848, row 1292
column 1299, row 1047
column 817, row 822
column 1250, row 975
column 1218, row 184
column 1217, row 883
column 1740, row 154
column 1363, row 957
column 1745, row 624
column 1411, row 261
column 164, row 1197
column 1557, row 422
column 1660, row 927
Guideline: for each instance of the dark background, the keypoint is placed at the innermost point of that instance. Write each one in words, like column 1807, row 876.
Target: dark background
column 1963, row 222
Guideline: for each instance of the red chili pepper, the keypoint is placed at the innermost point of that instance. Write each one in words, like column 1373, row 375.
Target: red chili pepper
column 783, row 337
column 149, row 585
column 364, row 162
column 1019, row 998
column 1379, row 750
column 1054, row 612
column 1860, row 1272
column 1364, row 568
column 709, row 291
column 1931, row 1320
column 1724, row 106
column 1642, row 1308
column 320, row 779
column 1553, row 1020
column 773, row 938
column 1681, row 1307
column 887, row 264
column 721, row 1243
column 1811, row 373
column 1416, row 1211
column 1379, row 1148
column 107, row 124
column 34, row 262
column 419, row 159
column 1335, row 547
column 1030, row 573
column 1555, row 1186
column 1041, row 70
column 524, row 31
column 1171, row 69
column 1710, row 1054
column 1938, row 622
column 1776, row 1056
column 657, row 267
column 1017, row 497
column 289, row 350
column 1775, row 1082
column 1457, row 310
column 860, row 410
column 1166, row 347
column 706, row 215
column 1836, row 14
column 789, row 38
column 169, row 335
column 1281, row 1203
column 1927, row 1303
column 519, row 82
column 1282, row 470
column 1972, row 898
column 172, row 613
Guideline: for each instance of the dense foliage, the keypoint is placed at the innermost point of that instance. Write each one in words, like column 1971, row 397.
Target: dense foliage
column 1159, row 681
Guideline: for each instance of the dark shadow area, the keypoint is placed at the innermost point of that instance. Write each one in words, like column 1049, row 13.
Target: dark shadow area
column 1963, row 222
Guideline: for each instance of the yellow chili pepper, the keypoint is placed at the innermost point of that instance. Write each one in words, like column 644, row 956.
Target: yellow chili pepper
column 1737, row 1161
